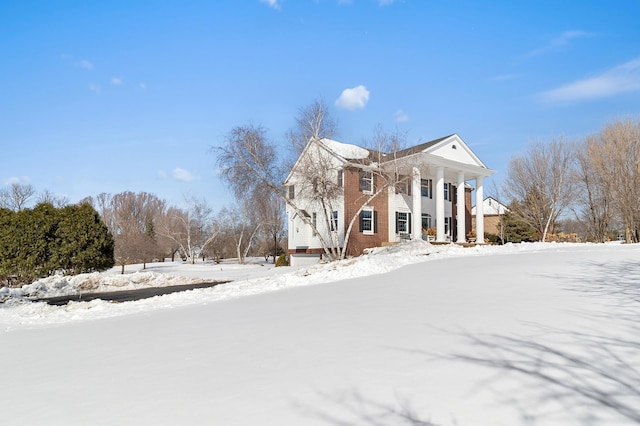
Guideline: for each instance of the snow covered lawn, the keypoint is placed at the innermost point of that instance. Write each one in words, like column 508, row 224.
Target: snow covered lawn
column 544, row 334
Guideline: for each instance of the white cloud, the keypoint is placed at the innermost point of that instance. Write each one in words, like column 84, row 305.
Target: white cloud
column 142, row 85
column 183, row 175
column 354, row 98
column 95, row 88
column 624, row 78
column 559, row 42
column 400, row 116
column 272, row 3
column 116, row 81
column 85, row 64
column 21, row 180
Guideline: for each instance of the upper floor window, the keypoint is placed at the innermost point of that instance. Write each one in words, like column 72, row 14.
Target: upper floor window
column 292, row 192
column 447, row 191
column 366, row 182
column 404, row 185
column 340, row 178
column 426, row 188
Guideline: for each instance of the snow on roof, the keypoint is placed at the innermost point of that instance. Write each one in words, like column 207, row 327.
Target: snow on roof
column 346, row 150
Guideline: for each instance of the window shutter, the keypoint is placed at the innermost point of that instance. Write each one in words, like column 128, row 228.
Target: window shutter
column 409, row 222
column 361, row 221
column 409, row 186
column 340, row 178
column 430, row 188
column 375, row 221
column 374, row 183
column 360, row 180
column 397, row 222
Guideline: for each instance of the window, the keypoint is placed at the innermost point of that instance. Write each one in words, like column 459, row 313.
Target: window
column 366, row 182
column 314, row 220
column 426, row 188
column 315, row 185
column 426, row 221
column 340, row 178
column 334, row 221
column 447, row 191
column 403, row 223
column 447, row 225
column 404, row 185
column 292, row 192
column 368, row 219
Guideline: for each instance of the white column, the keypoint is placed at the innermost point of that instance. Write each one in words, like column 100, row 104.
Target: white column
column 461, row 209
column 440, row 204
column 479, row 211
column 416, row 195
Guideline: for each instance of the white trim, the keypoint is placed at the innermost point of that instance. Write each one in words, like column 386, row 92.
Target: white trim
column 373, row 225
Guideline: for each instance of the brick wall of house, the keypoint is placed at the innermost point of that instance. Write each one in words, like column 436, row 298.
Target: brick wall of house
column 353, row 200
column 491, row 224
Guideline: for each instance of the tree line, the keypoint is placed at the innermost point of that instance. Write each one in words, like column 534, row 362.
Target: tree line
column 590, row 187
column 126, row 228
column 146, row 228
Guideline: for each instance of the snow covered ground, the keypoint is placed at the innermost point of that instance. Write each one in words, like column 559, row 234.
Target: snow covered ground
column 532, row 334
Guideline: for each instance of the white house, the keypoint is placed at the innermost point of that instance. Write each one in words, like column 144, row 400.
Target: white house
column 424, row 194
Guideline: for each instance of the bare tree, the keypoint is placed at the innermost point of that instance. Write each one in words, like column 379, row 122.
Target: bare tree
column 618, row 161
column 17, row 197
column 192, row 229
column 240, row 227
column 312, row 122
column 540, row 180
column 47, row 196
column 132, row 219
column 594, row 195
column 271, row 214
column 249, row 165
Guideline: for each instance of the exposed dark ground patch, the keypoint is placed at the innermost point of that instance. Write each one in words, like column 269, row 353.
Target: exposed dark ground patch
column 126, row 295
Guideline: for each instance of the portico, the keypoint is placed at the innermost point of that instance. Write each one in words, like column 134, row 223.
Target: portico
column 448, row 176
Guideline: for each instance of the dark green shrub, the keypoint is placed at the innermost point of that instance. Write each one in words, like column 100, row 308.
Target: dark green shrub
column 38, row 242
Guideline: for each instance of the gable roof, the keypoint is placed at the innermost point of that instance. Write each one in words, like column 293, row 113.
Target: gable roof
column 450, row 147
column 419, row 148
column 491, row 206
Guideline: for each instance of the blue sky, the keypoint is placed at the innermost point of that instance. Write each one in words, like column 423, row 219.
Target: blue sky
column 131, row 95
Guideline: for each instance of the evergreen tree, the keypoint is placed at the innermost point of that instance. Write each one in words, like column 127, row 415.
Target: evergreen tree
column 35, row 243
column 84, row 242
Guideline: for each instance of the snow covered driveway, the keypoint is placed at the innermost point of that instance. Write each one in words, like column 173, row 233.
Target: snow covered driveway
column 538, row 334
